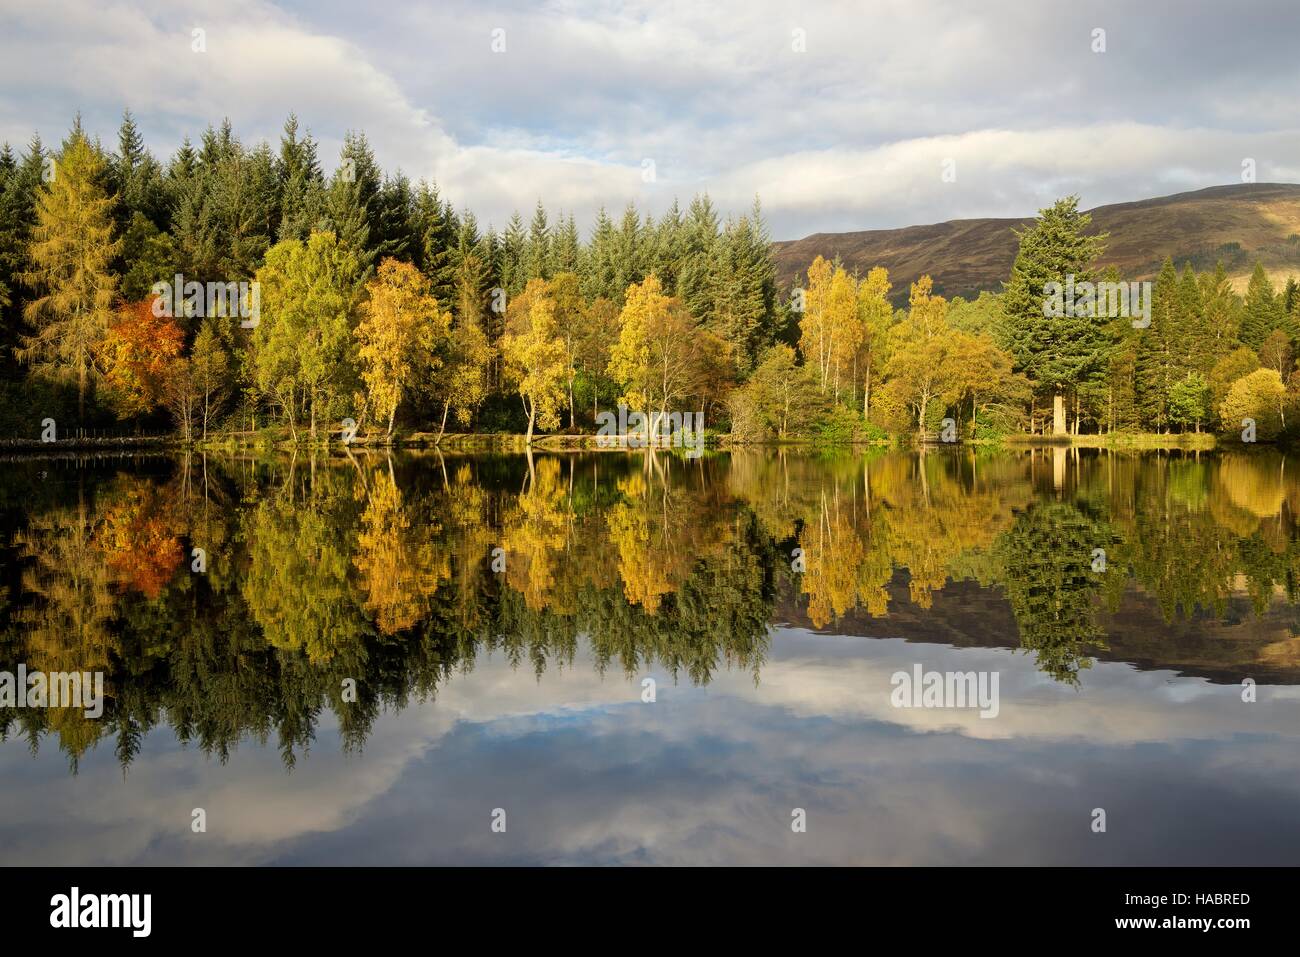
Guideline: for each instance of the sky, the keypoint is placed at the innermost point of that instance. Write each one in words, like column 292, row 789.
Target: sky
column 838, row 116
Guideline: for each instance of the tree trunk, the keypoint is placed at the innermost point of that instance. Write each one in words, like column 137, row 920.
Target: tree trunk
column 866, row 394
column 1058, row 414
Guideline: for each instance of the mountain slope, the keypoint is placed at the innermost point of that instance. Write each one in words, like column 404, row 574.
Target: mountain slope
column 1238, row 224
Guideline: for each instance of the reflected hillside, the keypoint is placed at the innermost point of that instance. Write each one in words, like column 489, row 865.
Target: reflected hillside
column 230, row 599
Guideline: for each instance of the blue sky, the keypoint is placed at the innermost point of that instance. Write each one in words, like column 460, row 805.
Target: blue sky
column 838, row 115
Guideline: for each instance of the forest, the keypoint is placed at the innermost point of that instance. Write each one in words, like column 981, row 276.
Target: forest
column 378, row 303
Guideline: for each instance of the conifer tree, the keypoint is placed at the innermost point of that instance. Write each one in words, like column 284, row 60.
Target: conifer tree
column 537, row 250
column 1262, row 312
column 1059, row 352
column 71, row 252
column 514, row 249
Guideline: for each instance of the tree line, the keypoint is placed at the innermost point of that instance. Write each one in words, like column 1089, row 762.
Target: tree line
column 381, row 303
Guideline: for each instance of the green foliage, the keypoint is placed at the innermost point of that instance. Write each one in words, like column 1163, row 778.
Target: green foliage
column 1189, row 401
column 1060, row 352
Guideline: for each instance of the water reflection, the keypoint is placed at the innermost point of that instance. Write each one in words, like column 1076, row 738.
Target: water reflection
column 397, row 574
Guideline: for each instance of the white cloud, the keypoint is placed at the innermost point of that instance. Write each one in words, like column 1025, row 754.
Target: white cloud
column 848, row 135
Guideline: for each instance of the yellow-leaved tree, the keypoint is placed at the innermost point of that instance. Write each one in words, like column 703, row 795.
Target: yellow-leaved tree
column 663, row 358
column 71, row 253
column 815, row 332
column 536, row 359
column 874, row 316
column 399, row 337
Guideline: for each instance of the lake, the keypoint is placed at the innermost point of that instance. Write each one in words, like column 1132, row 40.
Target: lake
column 1040, row 656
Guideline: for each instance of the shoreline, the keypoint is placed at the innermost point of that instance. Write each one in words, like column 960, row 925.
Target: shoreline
column 502, row 442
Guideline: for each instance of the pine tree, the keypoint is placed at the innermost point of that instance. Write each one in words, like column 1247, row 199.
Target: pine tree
column 1290, row 295
column 1222, row 310
column 1195, row 340
column 668, row 247
column 566, row 249
column 1158, row 363
column 20, row 184
column 434, row 230
column 696, row 280
column 1059, row 352
column 628, row 252
column 193, row 222
column 1262, row 312
column 598, row 267
column 537, row 251
column 300, row 183
column 244, row 210
column 514, row 268
column 136, row 178
column 397, row 223
column 354, row 204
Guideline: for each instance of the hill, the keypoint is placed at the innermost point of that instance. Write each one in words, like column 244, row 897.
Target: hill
column 1238, row 224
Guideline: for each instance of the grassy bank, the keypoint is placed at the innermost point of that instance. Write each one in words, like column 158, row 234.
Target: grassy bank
column 1191, row 441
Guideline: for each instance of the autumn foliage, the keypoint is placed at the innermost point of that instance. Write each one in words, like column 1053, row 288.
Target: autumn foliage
column 136, row 355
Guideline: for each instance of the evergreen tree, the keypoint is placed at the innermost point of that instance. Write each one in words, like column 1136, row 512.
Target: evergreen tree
column 300, row 183
column 397, row 222
column 20, row 184
column 1159, row 363
column 1262, row 312
column 537, row 251
column 513, row 265
column 598, row 279
column 629, row 251
column 1221, row 308
column 434, row 228
column 668, row 247
column 1195, row 340
column 137, row 178
column 744, row 289
column 566, row 249
column 697, row 278
column 243, row 208
column 1059, row 352
column 193, row 225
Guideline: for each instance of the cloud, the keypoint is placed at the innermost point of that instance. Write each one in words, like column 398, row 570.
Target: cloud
column 847, row 134
column 587, row 772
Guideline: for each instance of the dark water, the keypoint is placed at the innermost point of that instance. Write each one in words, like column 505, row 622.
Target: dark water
column 1120, row 600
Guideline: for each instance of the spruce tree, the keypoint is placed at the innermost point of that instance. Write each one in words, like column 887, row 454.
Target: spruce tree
column 537, row 253
column 434, row 229
column 1158, row 350
column 514, row 247
column 299, row 182
column 1262, row 312
column 566, row 248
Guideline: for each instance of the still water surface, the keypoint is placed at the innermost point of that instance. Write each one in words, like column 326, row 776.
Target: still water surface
column 500, row 616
